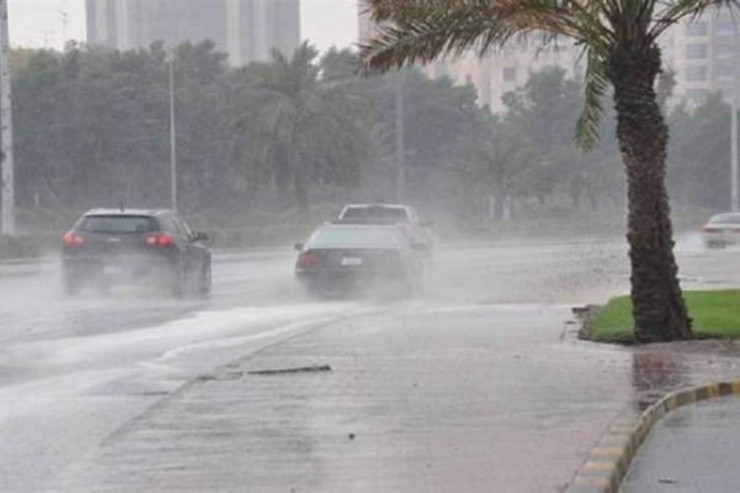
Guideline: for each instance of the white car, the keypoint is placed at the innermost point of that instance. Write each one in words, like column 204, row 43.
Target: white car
column 402, row 215
column 722, row 230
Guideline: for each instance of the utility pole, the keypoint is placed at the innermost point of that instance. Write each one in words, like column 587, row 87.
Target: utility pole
column 65, row 20
column 733, row 130
column 6, row 126
column 173, row 143
column 400, row 144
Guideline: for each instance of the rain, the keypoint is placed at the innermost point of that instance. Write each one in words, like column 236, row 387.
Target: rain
column 186, row 303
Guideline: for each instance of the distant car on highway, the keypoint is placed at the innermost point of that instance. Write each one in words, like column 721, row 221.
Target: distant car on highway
column 722, row 230
column 107, row 246
column 400, row 214
column 350, row 258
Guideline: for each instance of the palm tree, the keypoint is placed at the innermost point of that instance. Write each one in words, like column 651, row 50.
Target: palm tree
column 295, row 129
column 619, row 41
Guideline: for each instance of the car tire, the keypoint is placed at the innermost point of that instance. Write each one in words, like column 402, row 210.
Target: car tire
column 205, row 281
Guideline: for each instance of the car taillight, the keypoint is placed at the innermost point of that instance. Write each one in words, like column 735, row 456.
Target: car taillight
column 709, row 229
column 159, row 239
column 306, row 259
column 72, row 239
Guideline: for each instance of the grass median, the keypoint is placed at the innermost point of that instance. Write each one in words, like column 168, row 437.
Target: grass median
column 715, row 314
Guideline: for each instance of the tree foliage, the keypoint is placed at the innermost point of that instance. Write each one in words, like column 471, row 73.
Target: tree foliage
column 619, row 40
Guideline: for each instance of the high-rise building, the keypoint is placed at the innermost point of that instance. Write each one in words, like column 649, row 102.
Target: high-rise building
column 247, row 30
column 500, row 71
column 705, row 55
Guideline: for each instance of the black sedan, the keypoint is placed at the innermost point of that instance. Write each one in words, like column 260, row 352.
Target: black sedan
column 136, row 246
column 341, row 259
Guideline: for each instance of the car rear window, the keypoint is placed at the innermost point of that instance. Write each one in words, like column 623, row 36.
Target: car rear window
column 356, row 238
column 726, row 218
column 380, row 212
column 118, row 224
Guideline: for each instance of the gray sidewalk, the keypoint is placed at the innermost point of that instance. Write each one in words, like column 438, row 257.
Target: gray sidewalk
column 418, row 399
column 693, row 449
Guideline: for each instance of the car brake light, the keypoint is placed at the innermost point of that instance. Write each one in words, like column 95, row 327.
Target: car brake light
column 307, row 259
column 72, row 239
column 159, row 239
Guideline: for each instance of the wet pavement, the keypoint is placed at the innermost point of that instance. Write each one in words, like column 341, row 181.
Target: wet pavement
column 487, row 398
column 479, row 384
column 693, row 449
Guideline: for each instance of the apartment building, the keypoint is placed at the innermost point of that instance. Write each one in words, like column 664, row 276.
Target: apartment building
column 704, row 53
column 247, row 30
column 504, row 70
column 501, row 70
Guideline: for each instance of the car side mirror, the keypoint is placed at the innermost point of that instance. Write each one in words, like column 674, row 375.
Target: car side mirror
column 200, row 236
column 298, row 247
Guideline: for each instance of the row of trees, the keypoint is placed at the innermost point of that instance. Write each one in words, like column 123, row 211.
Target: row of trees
column 92, row 129
column 619, row 42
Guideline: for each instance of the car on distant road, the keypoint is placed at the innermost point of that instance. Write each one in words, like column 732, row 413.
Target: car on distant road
column 352, row 258
column 403, row 215
column 135, row 246
column 722, row 230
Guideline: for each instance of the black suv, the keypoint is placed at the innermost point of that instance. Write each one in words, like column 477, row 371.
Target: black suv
column 135, row 246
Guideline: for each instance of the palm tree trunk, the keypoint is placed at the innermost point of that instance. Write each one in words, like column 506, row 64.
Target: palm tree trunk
column 658, row 306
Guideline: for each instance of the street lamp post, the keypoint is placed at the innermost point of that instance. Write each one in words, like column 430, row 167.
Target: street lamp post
column 733, row 128
column 400, row 144
column 6, row 126
column 173, row 134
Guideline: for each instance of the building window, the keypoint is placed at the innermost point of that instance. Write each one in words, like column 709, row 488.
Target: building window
column 696, row 74
column 725, row 70
column 509, row 73
column 696, row 51
column 696, row 95
column 700, row 28
column 725, row 26
column 724, row 46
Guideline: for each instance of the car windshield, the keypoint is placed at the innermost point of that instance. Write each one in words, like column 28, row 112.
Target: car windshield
column 726, row 219
column 356, row 238
column 118, row 224
column 396, row 213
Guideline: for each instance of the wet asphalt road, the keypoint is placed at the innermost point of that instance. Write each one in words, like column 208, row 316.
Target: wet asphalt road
column 477, row 382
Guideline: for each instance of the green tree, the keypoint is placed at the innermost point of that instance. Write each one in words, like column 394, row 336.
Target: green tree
column 538, row 109
column 441, row 122
column 698, row 161
column 296, row 130
column 620, row 43
column 92, row 126
column 500, row 162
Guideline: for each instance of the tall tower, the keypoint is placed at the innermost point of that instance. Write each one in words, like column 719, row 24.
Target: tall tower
column 247, row 30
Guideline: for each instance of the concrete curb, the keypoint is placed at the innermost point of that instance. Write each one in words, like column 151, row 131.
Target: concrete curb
column 609, row 461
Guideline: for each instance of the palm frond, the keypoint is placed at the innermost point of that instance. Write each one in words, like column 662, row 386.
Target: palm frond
column 595, row 87
column 415, row 31
column 687, row 9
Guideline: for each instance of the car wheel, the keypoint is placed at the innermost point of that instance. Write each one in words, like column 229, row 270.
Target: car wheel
column 205, row 280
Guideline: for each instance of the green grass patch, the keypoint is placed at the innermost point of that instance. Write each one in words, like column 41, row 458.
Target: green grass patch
column 715, row 314
column 28, row 245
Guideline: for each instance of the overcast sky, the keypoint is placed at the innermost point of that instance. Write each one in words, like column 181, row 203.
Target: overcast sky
column 38, row 23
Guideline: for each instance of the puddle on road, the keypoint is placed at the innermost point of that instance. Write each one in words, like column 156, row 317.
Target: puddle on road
column 654, row 373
